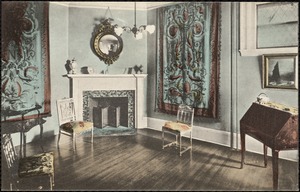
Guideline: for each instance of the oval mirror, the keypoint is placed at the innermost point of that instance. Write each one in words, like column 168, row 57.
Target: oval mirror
column 107, row 44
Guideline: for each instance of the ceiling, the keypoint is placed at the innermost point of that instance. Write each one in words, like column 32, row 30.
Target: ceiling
column 121, row 5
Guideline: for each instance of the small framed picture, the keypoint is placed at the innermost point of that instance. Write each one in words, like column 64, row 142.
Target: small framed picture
column 280, row 71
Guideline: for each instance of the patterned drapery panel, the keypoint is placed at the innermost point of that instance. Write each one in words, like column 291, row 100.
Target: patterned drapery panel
column 25, row 72
column 188, row 58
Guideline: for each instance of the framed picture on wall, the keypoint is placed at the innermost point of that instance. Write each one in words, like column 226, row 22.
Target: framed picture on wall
column 280, row 71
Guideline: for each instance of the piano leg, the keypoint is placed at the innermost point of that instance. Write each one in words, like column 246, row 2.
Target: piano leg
column 275, row 168
column 242, row 148
column 265, row 155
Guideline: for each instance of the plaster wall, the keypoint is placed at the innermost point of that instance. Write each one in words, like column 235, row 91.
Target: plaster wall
column 240, row 77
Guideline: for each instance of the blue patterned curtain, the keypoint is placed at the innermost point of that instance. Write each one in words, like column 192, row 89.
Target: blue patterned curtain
column 25, row 72
column 188, row 58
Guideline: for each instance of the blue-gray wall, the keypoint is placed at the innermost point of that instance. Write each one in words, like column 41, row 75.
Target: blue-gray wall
column 240, row 77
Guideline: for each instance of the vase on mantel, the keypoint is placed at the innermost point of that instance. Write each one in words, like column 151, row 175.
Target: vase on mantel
column 73, row 66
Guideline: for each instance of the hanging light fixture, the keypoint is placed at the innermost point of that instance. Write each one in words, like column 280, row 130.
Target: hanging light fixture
column 137, row 32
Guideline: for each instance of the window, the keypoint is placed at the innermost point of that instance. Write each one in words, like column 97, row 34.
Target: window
column 259, row 20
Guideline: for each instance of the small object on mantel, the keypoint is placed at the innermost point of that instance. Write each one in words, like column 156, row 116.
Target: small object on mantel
column 67, row 66
column 138, row 69
column 129, row 71
column 87, row 70
column 71, row 66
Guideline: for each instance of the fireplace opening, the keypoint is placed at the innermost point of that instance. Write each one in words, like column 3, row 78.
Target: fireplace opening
column 110, row 111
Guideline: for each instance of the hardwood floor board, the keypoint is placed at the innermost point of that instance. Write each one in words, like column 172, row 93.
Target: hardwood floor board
column 121, row 173
column 147, row 168
column 206, row 169
column 227, row 176
column 127, row 161
column 219, row 177
column 106, row 165
column 170, row 176
column 139, row 163
column 153, row 170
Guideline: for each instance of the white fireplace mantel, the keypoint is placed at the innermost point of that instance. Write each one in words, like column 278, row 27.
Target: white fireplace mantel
column 90, row 82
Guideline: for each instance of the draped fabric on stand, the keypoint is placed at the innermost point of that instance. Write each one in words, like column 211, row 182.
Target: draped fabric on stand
column 189, row 58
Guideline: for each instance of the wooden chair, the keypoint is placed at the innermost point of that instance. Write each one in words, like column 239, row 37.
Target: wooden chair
column 183, row 125
column 37, row 165
column 68, row 125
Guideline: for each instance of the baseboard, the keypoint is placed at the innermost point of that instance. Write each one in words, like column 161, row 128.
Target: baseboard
column 224, row 138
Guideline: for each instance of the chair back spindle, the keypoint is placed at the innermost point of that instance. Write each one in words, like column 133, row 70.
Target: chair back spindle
column 185, row 114
column 9, row 151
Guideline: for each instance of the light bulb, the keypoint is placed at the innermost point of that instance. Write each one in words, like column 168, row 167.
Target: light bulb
column 118, row 30
column 150, row 28
column 139, row 36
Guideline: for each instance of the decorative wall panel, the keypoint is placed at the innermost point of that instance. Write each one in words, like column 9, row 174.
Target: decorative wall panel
column 188, row 58
column 25, row 57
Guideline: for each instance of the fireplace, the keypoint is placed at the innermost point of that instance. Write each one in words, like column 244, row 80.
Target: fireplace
column 124, row 99
column 107, row 116
column 92, row 90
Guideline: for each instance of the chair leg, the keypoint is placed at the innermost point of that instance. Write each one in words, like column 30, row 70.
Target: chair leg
column 265, row 155
column 58, row 138
column 185, row 148
column 16, row 184
column 51, row 181
column 163, row 138
column 92, row 139
column 74, row 141
column 191, row 142
column 180, row 144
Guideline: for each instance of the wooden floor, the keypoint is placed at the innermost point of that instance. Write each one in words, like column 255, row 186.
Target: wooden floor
column 139, row 163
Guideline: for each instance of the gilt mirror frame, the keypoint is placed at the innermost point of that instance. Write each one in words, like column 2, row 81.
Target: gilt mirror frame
column 107, row 44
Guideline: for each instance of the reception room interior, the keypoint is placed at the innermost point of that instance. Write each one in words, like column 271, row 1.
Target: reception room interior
column 133, row 69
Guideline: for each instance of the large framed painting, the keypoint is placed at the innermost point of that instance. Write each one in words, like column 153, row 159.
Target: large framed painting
column 189, row 58
column 25, row 74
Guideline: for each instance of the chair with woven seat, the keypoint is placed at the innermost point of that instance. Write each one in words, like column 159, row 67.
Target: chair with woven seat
column 183, row 125
column 68, row 125
column 32, row 166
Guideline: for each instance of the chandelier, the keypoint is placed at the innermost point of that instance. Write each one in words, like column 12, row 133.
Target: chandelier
column 137, row 31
